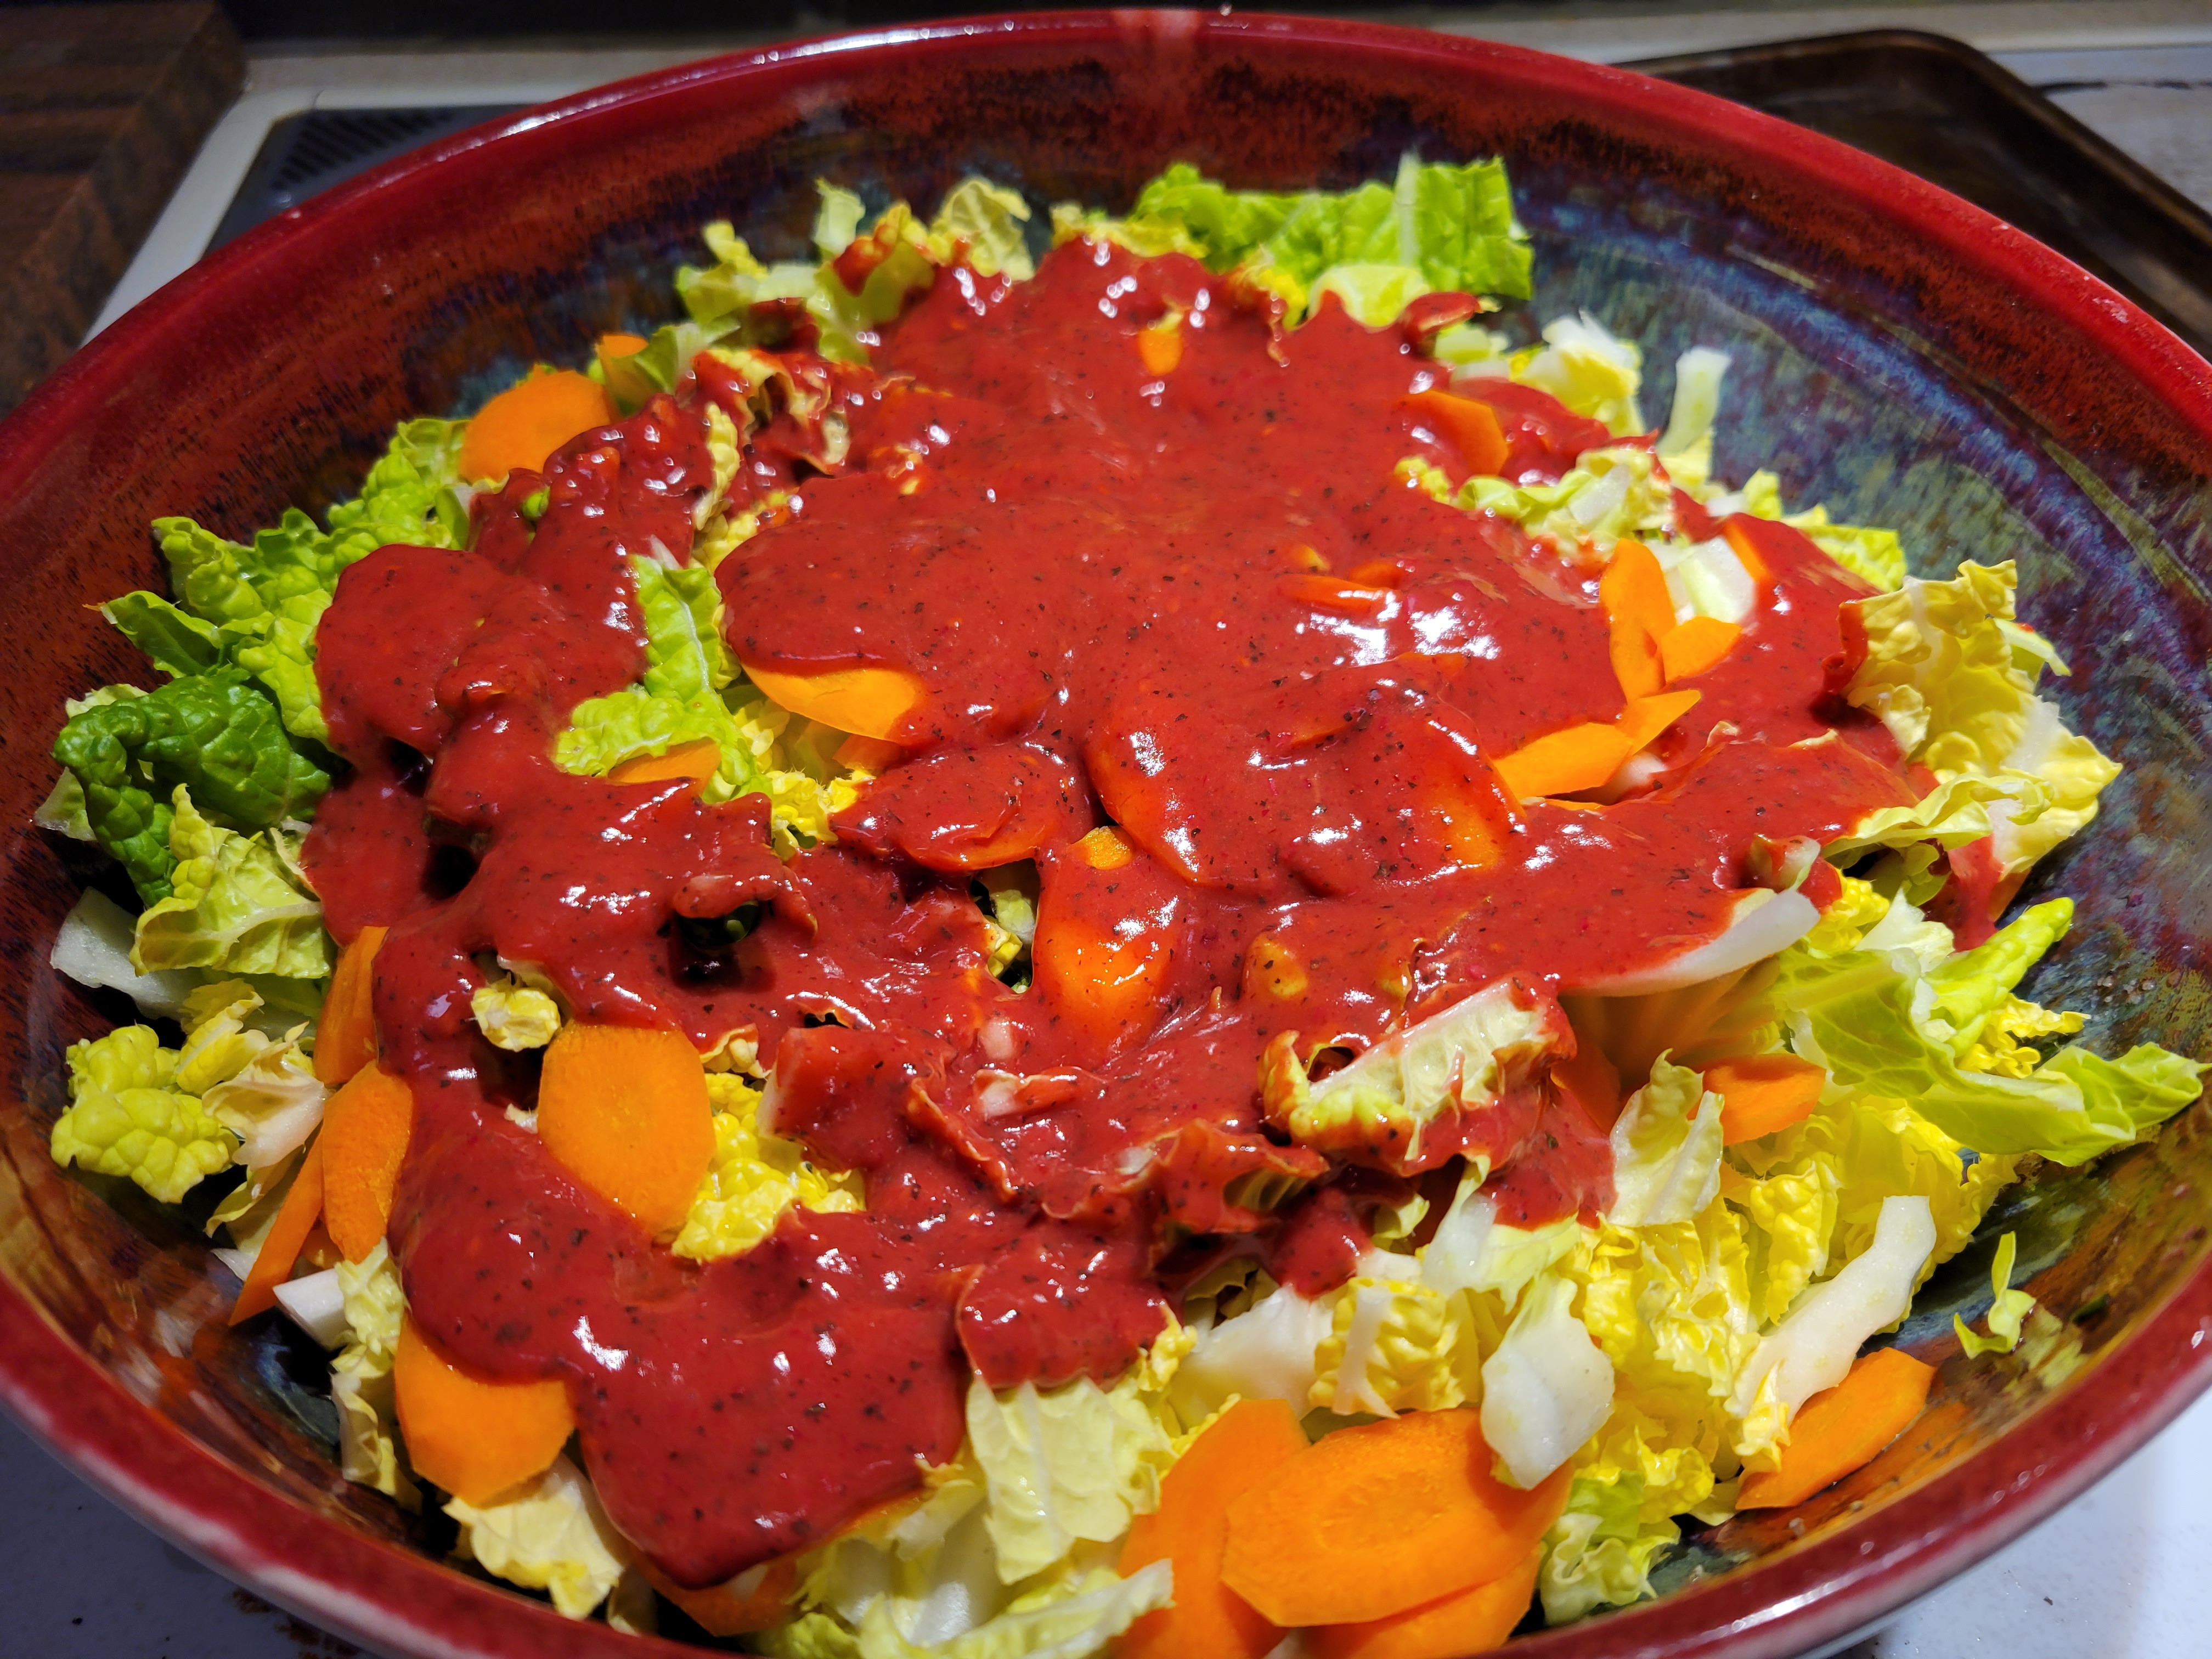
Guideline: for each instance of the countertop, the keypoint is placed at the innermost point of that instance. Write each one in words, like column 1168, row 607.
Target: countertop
column 2118, row 1574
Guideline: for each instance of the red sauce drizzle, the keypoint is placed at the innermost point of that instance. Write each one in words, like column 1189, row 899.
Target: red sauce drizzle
column 1194, row 603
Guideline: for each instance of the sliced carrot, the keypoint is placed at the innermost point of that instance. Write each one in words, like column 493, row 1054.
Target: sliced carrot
column 870, row 702
column 524, row 424
column 1245, row 1444
column 366, row 1128
column 697, row 761
column 723, row 1609
column 474, row 1435
column 624, row 1109
column 869, row 754
column 345, row 1040
column 1102, row 958
column 1561, row 763
column 1472, row 1620
column 1469, row 427
column 1761, row 1093
column 280, row 1246
column 1695, row 646
column 1105, row 848
column 1843, row 1429
column 1645, row 718
column 1633, row 591
column 1346, row 599
column 1371, row 1521
column 1161, row 346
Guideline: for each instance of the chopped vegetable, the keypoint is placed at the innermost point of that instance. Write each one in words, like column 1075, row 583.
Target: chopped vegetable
column 1762, row 1093
column 1373, row 1521
column 518, row 429
column 1566, row 763
column 1468, row 428
column 346, row 1039
column 1842, row 1429
column 625, row 1109
column 366, row 1128
column 1468, row 1621
column 1689, row 648
column 476, row 1436
column 302, row 1208
column 127, row 1117
column 874, row 702
column 1242, row 1447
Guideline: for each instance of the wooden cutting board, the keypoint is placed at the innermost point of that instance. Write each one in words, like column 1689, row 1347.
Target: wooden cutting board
column 102, row 108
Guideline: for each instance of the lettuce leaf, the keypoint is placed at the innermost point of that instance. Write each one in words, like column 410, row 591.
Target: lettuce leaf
column 233, row 904
column 126, row 1117
column 1884, row 1023
column 753, row 1179
column 1945, row 673
column 1599, row 1552
column 361, row 1378
column 1074, row 1617
column 1592, row 371
column 258, row 604
column 1548, row 1388
column 1066, row 1464
column 983, row 221
column 1472, row 1250
column 1812, row 1350
column 215, row 733
column 1392, row 1346
column 1435, row 226
column 1666, row 1150
column 548, row 1534
column 679, row 699
column 2007, row 1309
column 1608, row 493
column 1267, row 1352
column 272, row 1103
column 1384, row 1105
column 1686, row 447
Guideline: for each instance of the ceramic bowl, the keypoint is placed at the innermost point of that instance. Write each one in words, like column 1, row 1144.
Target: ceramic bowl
column 1899, row 354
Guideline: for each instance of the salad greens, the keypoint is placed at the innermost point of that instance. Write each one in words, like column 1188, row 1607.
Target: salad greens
column 1657, row 1353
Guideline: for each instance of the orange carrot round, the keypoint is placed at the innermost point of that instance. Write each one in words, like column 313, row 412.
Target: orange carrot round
column 287, row 1235
column 1693, row 646
column 870, row 702
column 1100, row 962
column 366, row 1128
column 522, row 427
column 1843, row 1429
column 624, row 1109
column 1761, row 1093
column 1372, row 1520
column 697, row 761
column 1469, row 427
column 476, row 1436
column 1245, row 1444
column 345, row 1040
column 1467, row 1621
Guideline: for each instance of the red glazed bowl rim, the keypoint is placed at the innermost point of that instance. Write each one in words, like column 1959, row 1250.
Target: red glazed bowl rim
column 1807, row 1597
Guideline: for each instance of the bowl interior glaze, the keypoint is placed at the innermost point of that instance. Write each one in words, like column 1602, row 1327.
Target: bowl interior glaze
column 1898, row 355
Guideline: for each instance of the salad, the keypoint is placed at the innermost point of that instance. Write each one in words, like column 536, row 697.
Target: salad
column 1111, row 936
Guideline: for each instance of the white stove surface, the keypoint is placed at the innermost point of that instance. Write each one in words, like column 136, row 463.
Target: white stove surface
column 2118, row 1574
